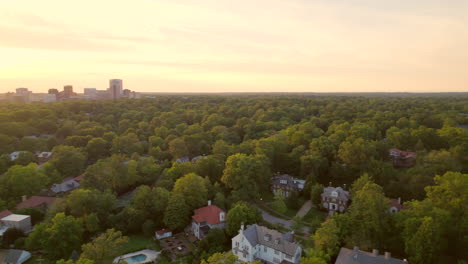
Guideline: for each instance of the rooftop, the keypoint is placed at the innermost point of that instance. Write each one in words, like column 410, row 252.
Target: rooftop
column 356, row 256
column 285, row 243
column 36, row 201
column 209, row 214
column 5, row 213
column 15, row 217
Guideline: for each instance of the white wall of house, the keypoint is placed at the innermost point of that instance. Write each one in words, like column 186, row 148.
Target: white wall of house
column 261, row 252
column 239, row 243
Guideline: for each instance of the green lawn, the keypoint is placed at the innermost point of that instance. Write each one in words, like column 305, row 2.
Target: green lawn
column 314, row 218
column 135, row 243
column 139, row 242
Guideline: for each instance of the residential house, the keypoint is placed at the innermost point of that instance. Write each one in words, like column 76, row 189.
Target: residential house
column 267, row 245
column 20, row 222
column 14, row 256
column 183, row 159
column 43, row 156
column 402, row 159
column 356, row 256
column 163, row 233
column 206, row 218
column 15, row 155
column 5, row 213
column 79, row 178
column 396, row 205
column 66, row 186
column 335, row 199
column 197, row 158
column 284, row 185
column 42, row 203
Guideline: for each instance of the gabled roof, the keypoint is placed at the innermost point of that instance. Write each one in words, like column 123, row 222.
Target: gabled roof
column 183, row 159
column 403, row 154
column 14, row 256
column 256, row 234
column 350, row 256
column 5, row 213
column 209, row 214
column 163, row 231
column 397, row 204
column 65, row 186
column 288, row 180
column 36, row 201
column 342, row 194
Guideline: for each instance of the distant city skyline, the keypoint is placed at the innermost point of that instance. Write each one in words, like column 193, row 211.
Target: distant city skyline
column 235, row 46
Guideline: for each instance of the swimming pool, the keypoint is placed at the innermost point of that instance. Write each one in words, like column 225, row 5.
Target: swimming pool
column 136, row 259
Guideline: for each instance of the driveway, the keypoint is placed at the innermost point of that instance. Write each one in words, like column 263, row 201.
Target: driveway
column 275, row 220
column 305, row 209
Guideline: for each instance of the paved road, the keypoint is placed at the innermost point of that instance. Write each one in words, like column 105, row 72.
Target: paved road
column 274, row 220
column 305, row 209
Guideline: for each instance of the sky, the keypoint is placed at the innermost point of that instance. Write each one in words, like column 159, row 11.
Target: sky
column 236, row 46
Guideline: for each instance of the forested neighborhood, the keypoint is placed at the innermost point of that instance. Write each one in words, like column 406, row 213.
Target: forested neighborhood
column 229, row 178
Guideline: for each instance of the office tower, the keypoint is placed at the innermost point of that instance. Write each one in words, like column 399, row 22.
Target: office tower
column 91, row 92
column 68, row 91
column 115, row 88
column 53, row 91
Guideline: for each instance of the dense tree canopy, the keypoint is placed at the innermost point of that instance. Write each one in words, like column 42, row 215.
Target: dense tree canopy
column 146, row 164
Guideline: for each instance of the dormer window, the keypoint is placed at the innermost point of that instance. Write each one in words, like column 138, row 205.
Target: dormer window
column 222, row 216
column 334, row 194
column 283, row 181
column 267, row 238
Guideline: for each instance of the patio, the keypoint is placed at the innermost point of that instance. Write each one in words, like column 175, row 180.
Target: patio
column 176, row 246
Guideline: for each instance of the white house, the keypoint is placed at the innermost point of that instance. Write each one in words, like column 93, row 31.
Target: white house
column 20, row 222
column 270, row 246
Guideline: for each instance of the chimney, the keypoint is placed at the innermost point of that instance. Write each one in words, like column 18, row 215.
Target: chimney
column 292, row 236
column 388, row 255
column 24, row 198
column 209, row 202
column 356, row 248
column 405, row 261
column 344, row 186
column 375, row 252
column 242, row 226
column 329, row 184
column 399, row 200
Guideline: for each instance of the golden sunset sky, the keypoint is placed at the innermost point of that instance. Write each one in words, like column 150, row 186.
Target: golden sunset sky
column 236, row 45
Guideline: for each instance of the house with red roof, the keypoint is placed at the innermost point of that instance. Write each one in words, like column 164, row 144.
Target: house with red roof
column 396, row 205
column 5, row 213
column 206, row 218
column 42, row 203
column 402, row 159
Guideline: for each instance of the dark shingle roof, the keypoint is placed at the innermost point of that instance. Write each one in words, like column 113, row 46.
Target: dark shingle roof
column 350, row 256
column 289, row 181
column 256, row 234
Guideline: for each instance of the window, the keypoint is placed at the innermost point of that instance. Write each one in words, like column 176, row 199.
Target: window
column 276, row 252
column 245, row 255
column 276, row 260
column 237, row 244
column 265, row 249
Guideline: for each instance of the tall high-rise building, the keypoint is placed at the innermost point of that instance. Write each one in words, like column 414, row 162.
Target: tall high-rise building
column 53, row 91
column 68, row 91
column 23, row 95
column 115, row 88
